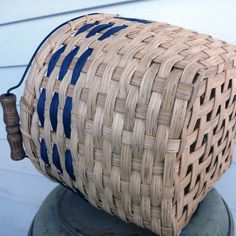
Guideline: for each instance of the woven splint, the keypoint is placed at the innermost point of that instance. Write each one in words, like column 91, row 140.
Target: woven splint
column 139, row 116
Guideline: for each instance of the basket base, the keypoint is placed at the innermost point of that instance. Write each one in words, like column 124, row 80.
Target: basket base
column 64, row 213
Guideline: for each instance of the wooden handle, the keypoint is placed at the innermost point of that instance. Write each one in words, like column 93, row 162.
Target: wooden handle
column 11, row 120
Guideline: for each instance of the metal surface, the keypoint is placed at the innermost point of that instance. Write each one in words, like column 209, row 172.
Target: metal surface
column 64, row 213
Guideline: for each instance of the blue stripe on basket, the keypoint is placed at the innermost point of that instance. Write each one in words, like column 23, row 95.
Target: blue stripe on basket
column 66, row 63
column 69, row 164
column 98, row 28
column 68, row 104
column 134, row 19
column 86, row 27
column 55, row 99
column 40, row 106
column 56, row 158
column 53, row 111
column 42, row 96
column 67, row 116
column 80, row 64
column 112, row 31
column 43, row 151
column 53, row 61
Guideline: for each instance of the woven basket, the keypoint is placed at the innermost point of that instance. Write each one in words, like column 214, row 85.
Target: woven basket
column 139, row 116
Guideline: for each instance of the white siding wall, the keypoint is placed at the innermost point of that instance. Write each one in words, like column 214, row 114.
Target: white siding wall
column 24, row 23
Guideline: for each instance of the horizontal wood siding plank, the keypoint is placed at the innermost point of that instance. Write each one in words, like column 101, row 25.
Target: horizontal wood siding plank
column 8, row 229
column 10, row 77
column 15, row 52
column 24, row 166
column 24, row 188
column 16, row 213
column 46, row 8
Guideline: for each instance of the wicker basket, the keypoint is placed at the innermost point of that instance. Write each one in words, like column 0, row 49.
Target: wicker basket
column 139, row 116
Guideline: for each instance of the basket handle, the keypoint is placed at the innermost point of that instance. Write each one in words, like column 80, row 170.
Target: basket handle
column 11, row 120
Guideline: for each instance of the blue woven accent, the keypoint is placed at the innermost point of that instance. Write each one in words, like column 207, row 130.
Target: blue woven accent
column 69, row 164
column 53, row 61
column 68, row 104
column 67, row 116
column 66, row 63
column 134, row 19
column 43, row 151
column 98, row 28
column 80, row 64
column 86, row 27
column 40, row 106
column 112, row 31
column 42, row 97
column 56, row 158
column 55, row 99
column 53, row 111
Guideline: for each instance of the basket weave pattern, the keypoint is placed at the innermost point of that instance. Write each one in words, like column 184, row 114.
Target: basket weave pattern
column 139, row 116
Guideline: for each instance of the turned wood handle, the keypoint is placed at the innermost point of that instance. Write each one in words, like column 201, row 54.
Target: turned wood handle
column 11, row 120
